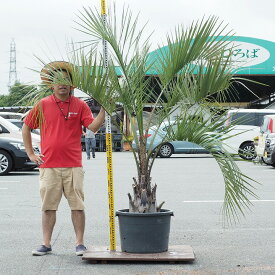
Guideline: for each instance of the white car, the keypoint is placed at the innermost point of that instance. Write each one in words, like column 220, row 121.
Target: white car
column 246, row 126
column 12, row 115
column 9, row 130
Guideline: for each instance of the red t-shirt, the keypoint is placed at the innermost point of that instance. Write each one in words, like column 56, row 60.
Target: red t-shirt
column 61, row 137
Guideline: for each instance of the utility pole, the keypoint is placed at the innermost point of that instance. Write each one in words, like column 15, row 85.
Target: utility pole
column 12, row 73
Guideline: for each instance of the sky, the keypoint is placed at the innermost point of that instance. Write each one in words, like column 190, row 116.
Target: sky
column 43, row 28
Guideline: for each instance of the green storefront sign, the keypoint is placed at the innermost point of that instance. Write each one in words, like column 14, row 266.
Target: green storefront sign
column 251, row 56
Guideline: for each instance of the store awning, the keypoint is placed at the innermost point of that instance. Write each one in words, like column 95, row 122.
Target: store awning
column 251, row 56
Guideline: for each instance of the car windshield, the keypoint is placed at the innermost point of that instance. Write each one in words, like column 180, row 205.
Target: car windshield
column 243, row 119
column 163, row 127
column 18, row 123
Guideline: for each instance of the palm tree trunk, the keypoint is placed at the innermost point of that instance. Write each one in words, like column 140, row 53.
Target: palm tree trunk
column 144, row 195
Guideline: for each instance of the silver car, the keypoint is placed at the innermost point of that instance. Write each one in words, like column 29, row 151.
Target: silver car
column 171, row 147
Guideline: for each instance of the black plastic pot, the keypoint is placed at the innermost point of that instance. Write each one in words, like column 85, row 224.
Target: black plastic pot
column 144, row 232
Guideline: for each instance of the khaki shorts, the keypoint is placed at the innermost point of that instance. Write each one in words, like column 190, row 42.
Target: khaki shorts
column 56, row 181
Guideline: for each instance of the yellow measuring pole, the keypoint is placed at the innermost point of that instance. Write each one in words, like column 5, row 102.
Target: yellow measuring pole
column 109, row 149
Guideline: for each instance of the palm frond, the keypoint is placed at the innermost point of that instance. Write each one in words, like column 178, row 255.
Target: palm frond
column 91, row 77
column 208, row 134
column 186, row 47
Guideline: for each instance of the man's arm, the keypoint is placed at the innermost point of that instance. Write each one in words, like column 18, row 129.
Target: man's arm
column 98, row 121
column 27, row 138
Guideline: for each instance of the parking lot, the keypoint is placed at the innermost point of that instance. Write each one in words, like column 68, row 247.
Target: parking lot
column 190, row 185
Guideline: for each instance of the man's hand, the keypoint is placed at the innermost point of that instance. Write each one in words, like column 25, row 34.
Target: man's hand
column 37, row 159
column 98, row 121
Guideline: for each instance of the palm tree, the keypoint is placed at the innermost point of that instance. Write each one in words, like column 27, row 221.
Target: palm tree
column 191, row 71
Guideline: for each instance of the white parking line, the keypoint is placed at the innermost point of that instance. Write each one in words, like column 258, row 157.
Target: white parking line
column 220, row 201
column 3, row 188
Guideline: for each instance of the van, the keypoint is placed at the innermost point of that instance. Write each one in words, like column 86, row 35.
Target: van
column 245, row 127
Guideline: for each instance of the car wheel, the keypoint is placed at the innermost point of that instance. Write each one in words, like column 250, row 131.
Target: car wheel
column 247, row 151
column 264, row 161
column 5, row 163
column 165, row 150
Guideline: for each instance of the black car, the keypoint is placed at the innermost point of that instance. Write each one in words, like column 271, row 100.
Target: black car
column 13, row 156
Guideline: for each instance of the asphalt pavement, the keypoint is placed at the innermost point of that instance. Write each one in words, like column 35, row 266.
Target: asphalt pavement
column 191, row 186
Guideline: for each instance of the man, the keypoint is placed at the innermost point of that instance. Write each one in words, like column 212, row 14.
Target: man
column 90, row 143
column 60, row 118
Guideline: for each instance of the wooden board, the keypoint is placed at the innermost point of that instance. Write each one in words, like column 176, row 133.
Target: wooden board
column 178, row 253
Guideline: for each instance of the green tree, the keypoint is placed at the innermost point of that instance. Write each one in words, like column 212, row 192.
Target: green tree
column 19, row 95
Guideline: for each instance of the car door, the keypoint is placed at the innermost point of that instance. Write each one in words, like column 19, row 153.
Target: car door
column 182, row 146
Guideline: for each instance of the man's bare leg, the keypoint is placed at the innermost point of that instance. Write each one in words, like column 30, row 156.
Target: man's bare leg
column 48, row 222
column 78, row 219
